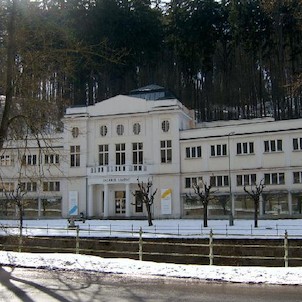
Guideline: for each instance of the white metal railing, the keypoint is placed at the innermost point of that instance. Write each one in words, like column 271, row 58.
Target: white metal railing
column 119, row 170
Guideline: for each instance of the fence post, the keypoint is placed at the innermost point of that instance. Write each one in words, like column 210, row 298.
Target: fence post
column 140, row 243
column 286, row 249
column 211, row 255
column 77, row 240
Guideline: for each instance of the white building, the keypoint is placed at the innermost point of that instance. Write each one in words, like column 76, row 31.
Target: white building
column 106, row 148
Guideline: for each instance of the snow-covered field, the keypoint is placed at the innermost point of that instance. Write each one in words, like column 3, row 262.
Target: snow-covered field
column 241, row 228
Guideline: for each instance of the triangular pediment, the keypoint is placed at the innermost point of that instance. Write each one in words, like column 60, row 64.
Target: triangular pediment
column 119, row 104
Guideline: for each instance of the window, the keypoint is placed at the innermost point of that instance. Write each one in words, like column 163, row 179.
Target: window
column 75, row 156
column 29, row 186
column 245, row 148
column 166, row 151
column 297, row 177
column 51, row 159
column 136, row 128
column 103, row 155
column 137, row 155
column 120, row 129
column 120, row 154
column 103, row 130
column 30, row 160
column 190, row 181
column 51, row 186
column 7, row 186
column 273, row 145
column 219, row 181
column 5, row 160
column 246, row 180
column 219, row 150
column 75, row 132
column 165, row 125
column 297, row 143
column 274, row 178
column 193, row 152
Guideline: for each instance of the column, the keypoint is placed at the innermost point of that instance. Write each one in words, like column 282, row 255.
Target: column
column 90, row 201
column 261, row 205
column 128, row 200
column 106, row 201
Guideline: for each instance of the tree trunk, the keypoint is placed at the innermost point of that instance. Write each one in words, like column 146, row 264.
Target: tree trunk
column 149, row 214
column 205, row 215
column 256, row 203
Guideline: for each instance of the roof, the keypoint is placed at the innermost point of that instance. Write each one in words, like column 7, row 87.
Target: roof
column 152, row 92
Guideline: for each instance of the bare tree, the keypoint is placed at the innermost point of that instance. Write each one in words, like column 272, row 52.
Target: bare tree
column 255, row 193
column 145, row 196
column 203, row 192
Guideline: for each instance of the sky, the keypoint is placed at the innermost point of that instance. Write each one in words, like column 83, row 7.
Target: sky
column 73, row 262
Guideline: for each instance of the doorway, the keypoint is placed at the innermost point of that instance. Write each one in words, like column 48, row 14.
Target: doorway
column 120, row 202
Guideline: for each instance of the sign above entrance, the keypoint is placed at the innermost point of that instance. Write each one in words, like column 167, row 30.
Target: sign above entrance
column 115, row 180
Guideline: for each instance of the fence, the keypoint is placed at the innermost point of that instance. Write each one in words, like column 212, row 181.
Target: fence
column 210, row 250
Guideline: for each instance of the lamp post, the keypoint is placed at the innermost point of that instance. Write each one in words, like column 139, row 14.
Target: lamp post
column 231, row 218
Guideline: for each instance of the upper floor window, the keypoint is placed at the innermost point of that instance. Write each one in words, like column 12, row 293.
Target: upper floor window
column 75, row 132
column 120, row 129
column 120, row 154
column 103, row 155
column 75, row 156
column 273, row 145
column 5, row 160
column 219, row 150
column 297, row 143
column 136, row 128
column 29, row 186
column 166, row 151
column 51, row 159
column 30, row 160
column 245, row 148
column 274, row 178
column 103, row 130
column 51, row 186
column 246, row 180
column 297, row 177
column 165, row 125
column 193, row 152
column 137, row 154
column 190, row 181
column 7, row 186
column 219, row 181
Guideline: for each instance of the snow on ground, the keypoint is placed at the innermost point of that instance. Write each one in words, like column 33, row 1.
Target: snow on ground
column 191, row 228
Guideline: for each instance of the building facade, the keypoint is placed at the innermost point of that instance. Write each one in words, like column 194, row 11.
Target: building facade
column 94, row 166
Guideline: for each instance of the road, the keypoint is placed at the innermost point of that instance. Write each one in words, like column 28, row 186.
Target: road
column 30, row 285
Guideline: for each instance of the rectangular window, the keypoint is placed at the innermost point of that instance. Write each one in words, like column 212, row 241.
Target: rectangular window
column 51, row 159
column 120, row 154
column 5, row 160
column 245, row 148
column 273, row 145
column 297, row 177
column 103, row 155
column 274, row 178
column 51, row 186
column 30, row 160
column 7, row 186
column 137, row 154
column 166, row 151
column 193, row 152
column 138, row 202
column 219, row 181
column 246, row 180
column 75, row 156
column 190, row 181
column 29, row 186
column 297, row 143
column 219, row 150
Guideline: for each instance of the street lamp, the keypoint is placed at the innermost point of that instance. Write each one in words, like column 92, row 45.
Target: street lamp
column 230, row 182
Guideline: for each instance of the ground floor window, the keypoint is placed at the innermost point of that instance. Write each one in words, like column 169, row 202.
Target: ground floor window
column 120, row 202
column 244, row 206
column 33, row 207
column 138, row 202
column 297, row 203
column 275, row 204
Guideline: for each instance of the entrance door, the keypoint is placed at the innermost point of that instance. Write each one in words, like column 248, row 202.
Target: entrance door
column 120, row 202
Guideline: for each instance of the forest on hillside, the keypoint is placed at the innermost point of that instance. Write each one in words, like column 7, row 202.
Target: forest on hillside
column 225, row 59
